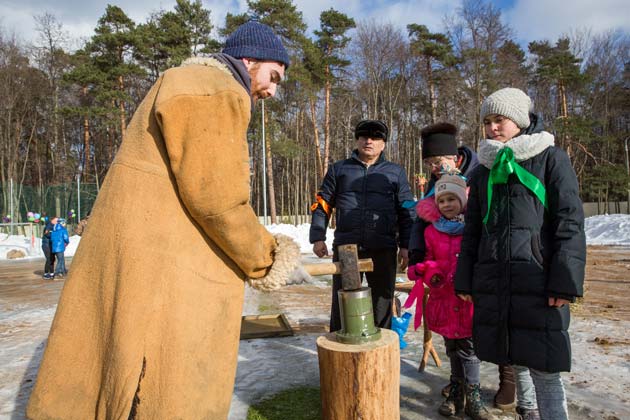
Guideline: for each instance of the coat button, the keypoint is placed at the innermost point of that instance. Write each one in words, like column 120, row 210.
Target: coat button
column 456, row 308
column 456, row 334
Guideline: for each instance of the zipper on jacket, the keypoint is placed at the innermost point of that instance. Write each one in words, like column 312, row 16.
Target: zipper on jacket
column 366, row 168
column 508, row 270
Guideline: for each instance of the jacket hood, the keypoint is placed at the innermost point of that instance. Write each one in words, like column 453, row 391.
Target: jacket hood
column 535, row 125
column 427, row 210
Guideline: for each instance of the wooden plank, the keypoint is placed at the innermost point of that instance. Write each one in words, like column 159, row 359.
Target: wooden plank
column 265, row 326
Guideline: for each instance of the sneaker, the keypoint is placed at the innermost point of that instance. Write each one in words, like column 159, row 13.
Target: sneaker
column 47, row 276
column 58, row 276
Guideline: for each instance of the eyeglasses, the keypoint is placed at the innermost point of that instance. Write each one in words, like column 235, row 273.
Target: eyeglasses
column 434, row 162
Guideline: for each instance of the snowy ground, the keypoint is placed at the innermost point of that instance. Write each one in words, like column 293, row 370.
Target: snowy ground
column 597, row 387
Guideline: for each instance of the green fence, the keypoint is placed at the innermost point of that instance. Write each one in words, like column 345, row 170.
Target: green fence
column 72, row 201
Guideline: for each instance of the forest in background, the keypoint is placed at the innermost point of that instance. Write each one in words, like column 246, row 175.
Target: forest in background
column 64, row 111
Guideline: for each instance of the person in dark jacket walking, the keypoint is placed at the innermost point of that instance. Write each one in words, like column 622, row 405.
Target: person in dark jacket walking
column 523, row 252
column 441, row 154
column 49, row 266
column 367, row 193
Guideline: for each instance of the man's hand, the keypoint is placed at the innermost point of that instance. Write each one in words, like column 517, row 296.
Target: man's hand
column 320, row 249
column 403, row 259
column 467, row 298
column 558, row 302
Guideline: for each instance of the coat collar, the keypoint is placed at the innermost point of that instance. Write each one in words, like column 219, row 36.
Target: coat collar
column 228, row 64
column 524, row 147
column 355, row 156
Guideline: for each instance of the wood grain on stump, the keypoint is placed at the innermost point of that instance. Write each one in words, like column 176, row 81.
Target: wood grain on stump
column 360, row 381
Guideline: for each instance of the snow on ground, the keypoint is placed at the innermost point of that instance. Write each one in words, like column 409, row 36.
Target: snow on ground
column 596, row 387
column 609, row 229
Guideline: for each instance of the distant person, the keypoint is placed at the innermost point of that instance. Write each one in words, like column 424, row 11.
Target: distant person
column 523, row 253
column 445, row 313
column 59, row 240
column 80, row 227
column 367, row 193
column 148, row 322
column 49, row 266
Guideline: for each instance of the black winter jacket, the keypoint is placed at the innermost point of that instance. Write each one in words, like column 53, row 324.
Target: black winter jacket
column 416, row 239
column 521, row 257
column 368, row 204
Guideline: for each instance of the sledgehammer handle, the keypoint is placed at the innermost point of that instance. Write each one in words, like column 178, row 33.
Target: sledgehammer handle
column 322, row 269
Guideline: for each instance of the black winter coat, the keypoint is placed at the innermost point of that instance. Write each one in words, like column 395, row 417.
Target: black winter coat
column 521, row 257
column 368, row 204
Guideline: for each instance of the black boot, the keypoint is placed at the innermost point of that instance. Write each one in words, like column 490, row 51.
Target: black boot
column 527, row 414
column 454, row 403
column 505, row 398
column 474, row 406
column 446, row 391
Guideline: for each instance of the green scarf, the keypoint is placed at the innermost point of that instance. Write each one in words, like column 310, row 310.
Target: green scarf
column 504, row 165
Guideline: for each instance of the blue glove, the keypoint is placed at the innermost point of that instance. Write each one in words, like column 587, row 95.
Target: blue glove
column 400, row 325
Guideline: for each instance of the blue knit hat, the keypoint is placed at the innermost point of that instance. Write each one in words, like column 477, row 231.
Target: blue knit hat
column 256, row 40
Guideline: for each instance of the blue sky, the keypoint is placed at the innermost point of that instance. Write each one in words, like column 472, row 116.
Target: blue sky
column 529, row 19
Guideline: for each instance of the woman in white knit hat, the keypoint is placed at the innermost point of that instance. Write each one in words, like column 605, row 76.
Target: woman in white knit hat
column 523, row 252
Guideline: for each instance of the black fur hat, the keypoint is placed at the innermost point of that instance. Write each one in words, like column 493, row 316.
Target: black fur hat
column 439, row 140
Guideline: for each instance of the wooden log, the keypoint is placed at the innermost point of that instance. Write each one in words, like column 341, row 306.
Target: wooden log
column 322, row 269
column 427, row 346
column 360, row 381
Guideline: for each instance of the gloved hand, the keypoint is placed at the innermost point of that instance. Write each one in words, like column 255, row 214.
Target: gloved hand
column 415, row 271
column 285, row 262
column 432, row 274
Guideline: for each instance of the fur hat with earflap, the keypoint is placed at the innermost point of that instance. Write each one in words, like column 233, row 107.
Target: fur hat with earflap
column 452, row 184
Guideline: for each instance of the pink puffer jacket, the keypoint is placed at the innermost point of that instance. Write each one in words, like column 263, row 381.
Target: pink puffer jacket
column 445, row 313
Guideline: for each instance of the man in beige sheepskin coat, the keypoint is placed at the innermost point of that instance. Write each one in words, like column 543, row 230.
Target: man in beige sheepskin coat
column 147, row 326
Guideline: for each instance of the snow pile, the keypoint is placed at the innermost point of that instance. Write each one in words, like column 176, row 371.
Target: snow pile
column 300, row 235
column 609, row 229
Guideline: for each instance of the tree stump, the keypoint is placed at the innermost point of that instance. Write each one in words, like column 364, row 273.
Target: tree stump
column 360, row 381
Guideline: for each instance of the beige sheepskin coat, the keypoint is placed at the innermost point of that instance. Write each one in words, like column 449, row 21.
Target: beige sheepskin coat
column 150, row 314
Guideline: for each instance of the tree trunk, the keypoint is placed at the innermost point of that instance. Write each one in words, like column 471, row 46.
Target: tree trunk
column 270, row 184
column 123, row 117
column 432, row 98
column 360, row 381
column 565, row 115
column 326, row 122
column 318, row 153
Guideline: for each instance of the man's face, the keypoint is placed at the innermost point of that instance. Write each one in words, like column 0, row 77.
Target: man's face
column 54, row 220
column 266, row 76
column 441, row 164
column 369, row 148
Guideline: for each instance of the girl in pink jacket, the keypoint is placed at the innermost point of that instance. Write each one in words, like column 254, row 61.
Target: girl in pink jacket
column 445, row 313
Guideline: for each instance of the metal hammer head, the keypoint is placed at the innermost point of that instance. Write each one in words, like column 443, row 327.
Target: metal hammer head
column 350, row 272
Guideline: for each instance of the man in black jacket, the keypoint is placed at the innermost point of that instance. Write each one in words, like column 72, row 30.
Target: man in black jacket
column 367, row 193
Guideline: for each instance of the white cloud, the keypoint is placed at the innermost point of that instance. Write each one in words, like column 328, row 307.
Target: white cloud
column 549, row 19
column 530, row 19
